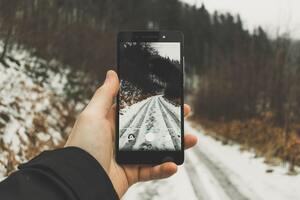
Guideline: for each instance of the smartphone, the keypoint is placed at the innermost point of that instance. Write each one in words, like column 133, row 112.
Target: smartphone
column 149, row 117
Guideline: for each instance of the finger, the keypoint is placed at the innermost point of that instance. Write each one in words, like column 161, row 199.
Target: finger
column 111, row 116
column 104, row 96
column 190, row 141
column 157, row 172
column 187, row 110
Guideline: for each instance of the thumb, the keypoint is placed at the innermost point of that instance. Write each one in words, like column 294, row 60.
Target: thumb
column 104, row 96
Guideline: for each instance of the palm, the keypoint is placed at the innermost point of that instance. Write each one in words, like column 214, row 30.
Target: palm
column 121, row 176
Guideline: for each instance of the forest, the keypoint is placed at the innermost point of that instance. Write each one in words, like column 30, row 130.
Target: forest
column 156, row 74
column 244, row 86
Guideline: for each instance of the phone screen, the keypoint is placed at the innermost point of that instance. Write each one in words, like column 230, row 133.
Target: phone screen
column 150, row 96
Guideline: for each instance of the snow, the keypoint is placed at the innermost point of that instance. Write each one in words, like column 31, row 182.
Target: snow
column 177, row 187
column 208, row 184
column 10, row 137
column 130, row 111
column 172, row 108
column 151, row 125
column 31, row 112
column 213, row 171
column 249, row 173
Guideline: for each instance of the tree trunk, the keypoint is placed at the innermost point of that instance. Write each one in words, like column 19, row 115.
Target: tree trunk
column 6, row 42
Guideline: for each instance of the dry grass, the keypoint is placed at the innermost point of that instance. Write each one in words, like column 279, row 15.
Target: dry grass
column 260, row 135
column 38, row 137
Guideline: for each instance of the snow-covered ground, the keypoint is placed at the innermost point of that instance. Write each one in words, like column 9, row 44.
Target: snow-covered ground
column 215, row 171
column 34, row 114
column 152, row 124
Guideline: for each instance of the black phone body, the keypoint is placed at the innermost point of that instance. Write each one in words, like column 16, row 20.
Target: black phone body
column 149, row 117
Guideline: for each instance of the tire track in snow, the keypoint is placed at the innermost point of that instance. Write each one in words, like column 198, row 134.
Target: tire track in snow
column 149, row 124
column 197, row 186
column 174, row 137
column 175, row 118
column 129, row 145
column 124, row 129
column 229, row 188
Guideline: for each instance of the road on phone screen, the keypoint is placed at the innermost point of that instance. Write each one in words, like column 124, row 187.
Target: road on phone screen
column 213, row 171
column 152, row 124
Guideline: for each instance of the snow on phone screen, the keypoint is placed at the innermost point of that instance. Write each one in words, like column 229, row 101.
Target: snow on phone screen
column 150, row 96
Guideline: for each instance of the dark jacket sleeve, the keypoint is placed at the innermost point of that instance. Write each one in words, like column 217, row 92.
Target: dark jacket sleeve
column 64, row 174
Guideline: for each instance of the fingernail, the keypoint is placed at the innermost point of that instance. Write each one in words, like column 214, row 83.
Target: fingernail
column 108, row 76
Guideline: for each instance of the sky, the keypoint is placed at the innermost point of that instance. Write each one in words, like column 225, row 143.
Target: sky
column 275, row 16
column 167, row 49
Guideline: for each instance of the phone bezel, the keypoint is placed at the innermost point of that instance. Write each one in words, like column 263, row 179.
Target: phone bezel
column 150, row 157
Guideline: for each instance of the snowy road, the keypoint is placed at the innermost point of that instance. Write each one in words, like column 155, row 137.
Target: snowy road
column 218, row 177
column 137, row 130
column 213, row 171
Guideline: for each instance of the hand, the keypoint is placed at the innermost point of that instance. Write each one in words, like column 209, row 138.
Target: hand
column 94, row 132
